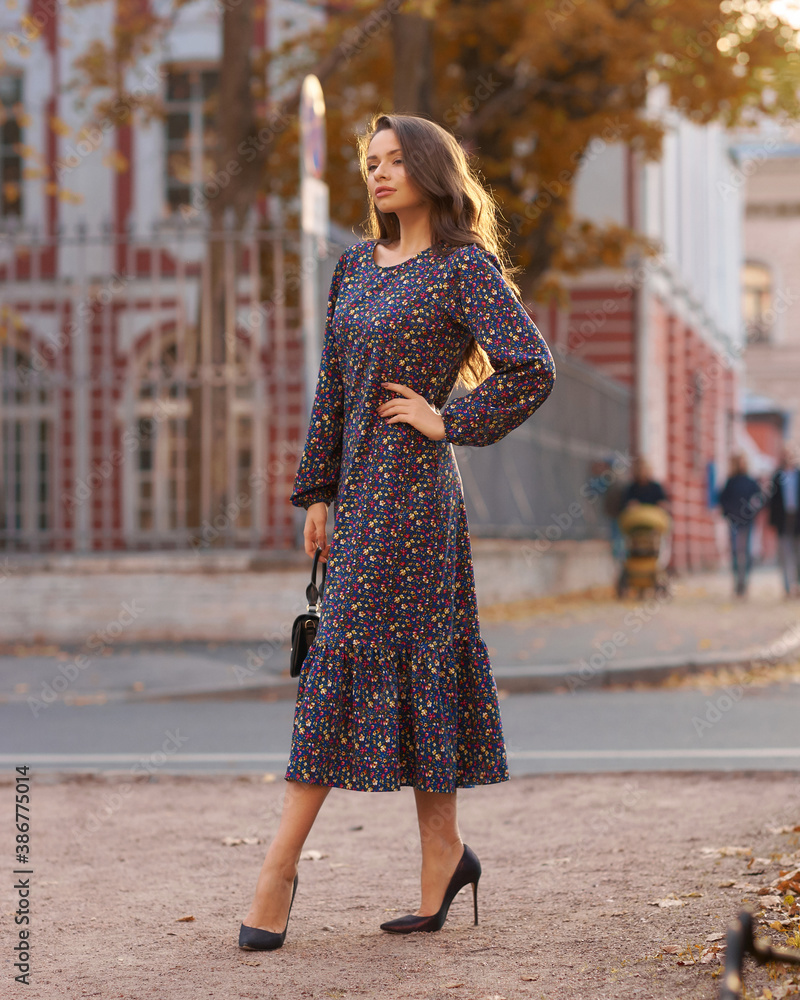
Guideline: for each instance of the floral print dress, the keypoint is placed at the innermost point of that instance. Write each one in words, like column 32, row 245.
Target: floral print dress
column 397, row 688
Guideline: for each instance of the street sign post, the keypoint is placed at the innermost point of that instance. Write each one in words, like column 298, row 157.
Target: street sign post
column 314, row 223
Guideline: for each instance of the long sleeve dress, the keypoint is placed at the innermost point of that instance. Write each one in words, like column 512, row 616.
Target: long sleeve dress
column 397, row 689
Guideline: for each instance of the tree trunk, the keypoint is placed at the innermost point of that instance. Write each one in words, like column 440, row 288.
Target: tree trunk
column 412, row 39
column 227, row 211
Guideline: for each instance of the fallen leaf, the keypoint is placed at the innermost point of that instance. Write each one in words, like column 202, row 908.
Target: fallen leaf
column 727, row 852
column 716, row 937
column 312, row 856
column 184, row 920
column 726, row 884
column 529, row 979
column 687, row 894
column 671, row 949
column 452, row 986
column 667, row 901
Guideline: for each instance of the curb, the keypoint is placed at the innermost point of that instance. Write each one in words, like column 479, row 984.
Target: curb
column 556, row 678
column 277, row 690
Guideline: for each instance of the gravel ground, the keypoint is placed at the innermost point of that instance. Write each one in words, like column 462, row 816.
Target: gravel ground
column 573, row 866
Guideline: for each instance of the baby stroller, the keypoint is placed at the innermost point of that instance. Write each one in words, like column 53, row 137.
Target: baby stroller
column 645, row 531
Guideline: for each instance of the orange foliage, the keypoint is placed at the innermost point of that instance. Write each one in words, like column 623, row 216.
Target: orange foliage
column 533, row 89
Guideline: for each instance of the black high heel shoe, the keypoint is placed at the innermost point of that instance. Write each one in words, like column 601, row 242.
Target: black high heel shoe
column 256, row 939
column 468, row 870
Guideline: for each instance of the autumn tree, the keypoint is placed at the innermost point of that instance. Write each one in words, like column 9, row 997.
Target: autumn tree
column 526, row 87
column 529, row 87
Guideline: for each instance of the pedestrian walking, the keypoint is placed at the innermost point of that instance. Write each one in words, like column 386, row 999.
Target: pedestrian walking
column 785, row 519
column 740, row 499
column 397, row 689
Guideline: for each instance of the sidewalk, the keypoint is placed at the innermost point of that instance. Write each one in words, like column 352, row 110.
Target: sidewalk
column 236, row 595
column 557, row 644
column 593, row 887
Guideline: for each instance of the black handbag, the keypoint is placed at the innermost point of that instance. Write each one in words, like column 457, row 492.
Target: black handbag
column 304, row 629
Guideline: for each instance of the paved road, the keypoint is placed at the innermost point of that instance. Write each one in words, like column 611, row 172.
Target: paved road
column 750, row 729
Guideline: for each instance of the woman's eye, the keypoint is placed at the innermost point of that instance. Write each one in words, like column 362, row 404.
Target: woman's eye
column 371, row 167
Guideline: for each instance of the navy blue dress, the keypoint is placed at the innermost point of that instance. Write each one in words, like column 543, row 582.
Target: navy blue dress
column 398, row 689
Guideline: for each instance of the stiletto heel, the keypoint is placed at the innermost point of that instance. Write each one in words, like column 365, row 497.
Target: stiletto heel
column 468, row 870
column 257, row 939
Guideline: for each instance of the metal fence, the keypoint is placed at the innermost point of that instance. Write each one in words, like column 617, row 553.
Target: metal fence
column 152, row 397
column 548, row 478
column 151, row 387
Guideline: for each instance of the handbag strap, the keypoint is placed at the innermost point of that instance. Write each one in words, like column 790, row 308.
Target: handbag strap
column 313, row 594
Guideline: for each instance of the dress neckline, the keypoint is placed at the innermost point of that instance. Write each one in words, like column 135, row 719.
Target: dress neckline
column 389, row 267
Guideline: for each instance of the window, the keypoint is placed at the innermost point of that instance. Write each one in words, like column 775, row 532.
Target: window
column 10, row 139
column 160, row 485
column 757, row 305
column 159, row 467
column 26, row 438
column 190, row 134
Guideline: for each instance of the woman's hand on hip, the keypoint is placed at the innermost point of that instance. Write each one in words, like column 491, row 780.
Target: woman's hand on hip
column 315, row 531
column 411, row 408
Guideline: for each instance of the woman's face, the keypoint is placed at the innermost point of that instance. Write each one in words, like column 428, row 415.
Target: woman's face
column 388, row 184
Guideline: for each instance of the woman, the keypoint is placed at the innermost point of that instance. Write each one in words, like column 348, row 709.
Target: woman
column 397, row 688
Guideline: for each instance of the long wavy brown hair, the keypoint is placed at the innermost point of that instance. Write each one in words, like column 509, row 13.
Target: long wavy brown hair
column 461, row 210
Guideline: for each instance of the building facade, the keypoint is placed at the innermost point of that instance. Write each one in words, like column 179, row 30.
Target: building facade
column 771, row 280
column 669, row 327
column 151, row 389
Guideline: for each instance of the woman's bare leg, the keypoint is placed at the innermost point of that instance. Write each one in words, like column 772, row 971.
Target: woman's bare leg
column 442, row 846
column 273, row 893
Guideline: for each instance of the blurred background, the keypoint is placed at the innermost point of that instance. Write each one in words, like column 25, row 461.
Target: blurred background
column 173, row 202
